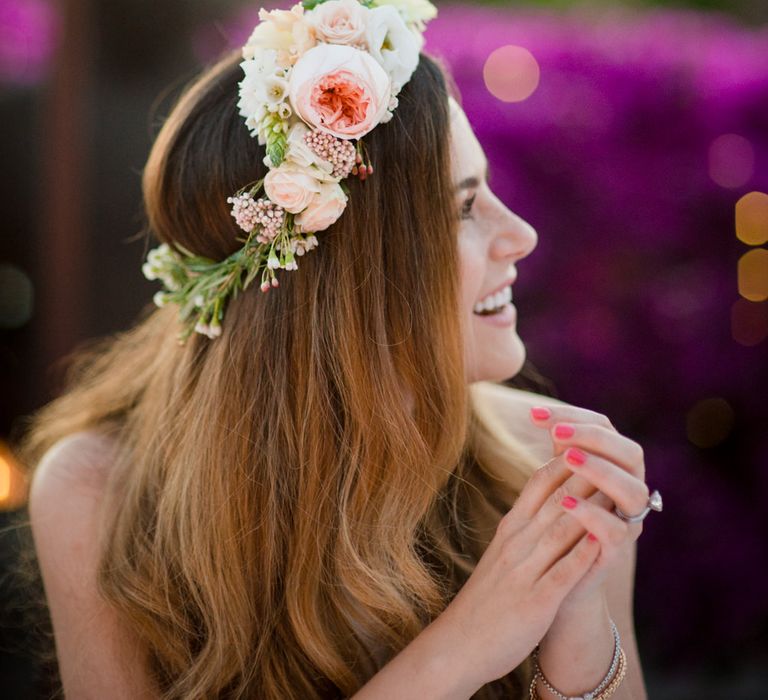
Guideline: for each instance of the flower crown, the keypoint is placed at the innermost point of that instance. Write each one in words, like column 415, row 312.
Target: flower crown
column 318, row 78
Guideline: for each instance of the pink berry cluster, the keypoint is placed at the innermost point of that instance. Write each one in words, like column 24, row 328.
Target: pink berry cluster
column 339, row 152
column 250, row 213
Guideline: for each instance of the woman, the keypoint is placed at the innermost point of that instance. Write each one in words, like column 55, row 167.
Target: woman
column 332, row 495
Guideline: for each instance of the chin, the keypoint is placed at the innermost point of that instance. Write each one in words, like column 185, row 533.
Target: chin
column 496, row 362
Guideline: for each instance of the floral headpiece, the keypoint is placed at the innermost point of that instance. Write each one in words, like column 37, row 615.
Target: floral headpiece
column 318, row 78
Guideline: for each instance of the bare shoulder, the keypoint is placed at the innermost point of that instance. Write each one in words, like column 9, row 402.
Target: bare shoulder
column 512, row 406
column 79, row 461
column 98, row 656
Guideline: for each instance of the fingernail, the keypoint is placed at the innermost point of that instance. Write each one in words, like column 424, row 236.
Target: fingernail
column 540, row 413
column 564, row 430
column 591, row 537
column 569, row 502
column 575, row 456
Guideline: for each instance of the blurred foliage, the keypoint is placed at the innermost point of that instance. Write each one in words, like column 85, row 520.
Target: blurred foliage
column 751, row 10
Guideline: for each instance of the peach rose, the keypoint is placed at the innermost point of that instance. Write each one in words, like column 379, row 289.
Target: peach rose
column 340, row 90
column 286, row 32
column 291, row 187
column 325, row 209
column 339, row 22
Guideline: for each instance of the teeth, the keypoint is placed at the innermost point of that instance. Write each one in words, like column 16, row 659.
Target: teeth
column 494, row 301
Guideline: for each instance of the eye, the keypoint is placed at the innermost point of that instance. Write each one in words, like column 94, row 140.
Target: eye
column 466, row 208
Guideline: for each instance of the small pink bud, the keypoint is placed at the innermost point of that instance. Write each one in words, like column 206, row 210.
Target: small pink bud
column 265, row 287
column 275, row 283
column 354, row 170
column 370, row 170
column 358, row 159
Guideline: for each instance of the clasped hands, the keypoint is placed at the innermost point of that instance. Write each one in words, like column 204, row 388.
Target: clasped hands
column 604, row 468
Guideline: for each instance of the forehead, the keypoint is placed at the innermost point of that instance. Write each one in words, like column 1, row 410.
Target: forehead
column 467, row 155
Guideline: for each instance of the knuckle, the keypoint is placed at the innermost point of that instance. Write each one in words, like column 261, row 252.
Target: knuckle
column 559, row 529
column 507, row 524
column 638, row 453
column 604, row 421
column 559, row 494
column 560, row 576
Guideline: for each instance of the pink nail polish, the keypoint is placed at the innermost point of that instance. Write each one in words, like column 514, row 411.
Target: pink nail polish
column 540, row 413
column 575, row 456
column 569, row 502
column 564, row 431
column 591, row 537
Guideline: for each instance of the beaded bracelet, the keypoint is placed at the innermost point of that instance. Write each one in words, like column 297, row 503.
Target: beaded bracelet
column 609, row 690
column 594, row 694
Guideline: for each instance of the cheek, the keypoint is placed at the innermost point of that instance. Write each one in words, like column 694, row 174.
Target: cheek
column 472, row 267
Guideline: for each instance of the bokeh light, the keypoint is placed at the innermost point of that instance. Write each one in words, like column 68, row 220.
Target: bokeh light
column 731, row 160
column 28, row 35
column 16, row 297
column 753, row 275
column 13, row 484
column 752, row 218
column 749, row 322
column 709, row 422
column 511, row 73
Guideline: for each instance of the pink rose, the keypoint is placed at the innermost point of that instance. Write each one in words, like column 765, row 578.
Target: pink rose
column 340, row 90
column 325, row 209
column 339, row 22
column 291, row 187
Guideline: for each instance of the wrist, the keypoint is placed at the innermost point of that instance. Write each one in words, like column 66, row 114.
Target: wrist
column 433, row 665
column 578, row 649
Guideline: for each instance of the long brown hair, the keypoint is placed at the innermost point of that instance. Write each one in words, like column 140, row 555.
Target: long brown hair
column 292, row 503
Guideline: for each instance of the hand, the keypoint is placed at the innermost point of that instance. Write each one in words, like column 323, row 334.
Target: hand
column 536, row 557
column 603, row 459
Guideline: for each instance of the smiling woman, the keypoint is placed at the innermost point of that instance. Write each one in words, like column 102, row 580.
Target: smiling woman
column 330, row 494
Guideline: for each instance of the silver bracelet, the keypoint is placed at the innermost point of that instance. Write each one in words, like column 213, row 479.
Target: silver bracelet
column 593, row 693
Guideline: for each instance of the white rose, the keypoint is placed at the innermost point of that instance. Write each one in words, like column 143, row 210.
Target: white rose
column 413, row 11
column 291, row 187
column 302, row 155
column 393, row 44
column 325, row 209
column 339, row 22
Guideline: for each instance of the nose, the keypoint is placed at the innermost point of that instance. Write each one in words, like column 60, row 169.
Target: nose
column 515, row 238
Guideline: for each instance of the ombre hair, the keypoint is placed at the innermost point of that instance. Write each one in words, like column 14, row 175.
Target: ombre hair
column 293, row 502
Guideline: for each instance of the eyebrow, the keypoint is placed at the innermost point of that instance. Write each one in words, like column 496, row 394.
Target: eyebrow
column 472, row 182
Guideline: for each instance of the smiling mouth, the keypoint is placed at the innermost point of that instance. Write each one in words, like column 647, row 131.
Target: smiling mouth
column 494, row 304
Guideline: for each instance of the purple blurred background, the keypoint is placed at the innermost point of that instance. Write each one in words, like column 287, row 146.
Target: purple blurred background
column 642, row 131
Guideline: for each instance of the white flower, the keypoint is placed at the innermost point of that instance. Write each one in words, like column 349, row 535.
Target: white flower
column 393, row 44
column 339, row 22
column 274, row 89
column 415, row 12
column 254, row 87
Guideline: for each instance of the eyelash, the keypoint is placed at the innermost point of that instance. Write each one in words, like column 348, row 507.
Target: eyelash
column 466, row 209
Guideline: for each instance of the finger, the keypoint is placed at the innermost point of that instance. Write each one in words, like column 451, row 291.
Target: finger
column 565, row 573
column 611, row 531
column 628, row 492
column 604, row 442
column 539, row 487
column 545, row 416
column 552, row 543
